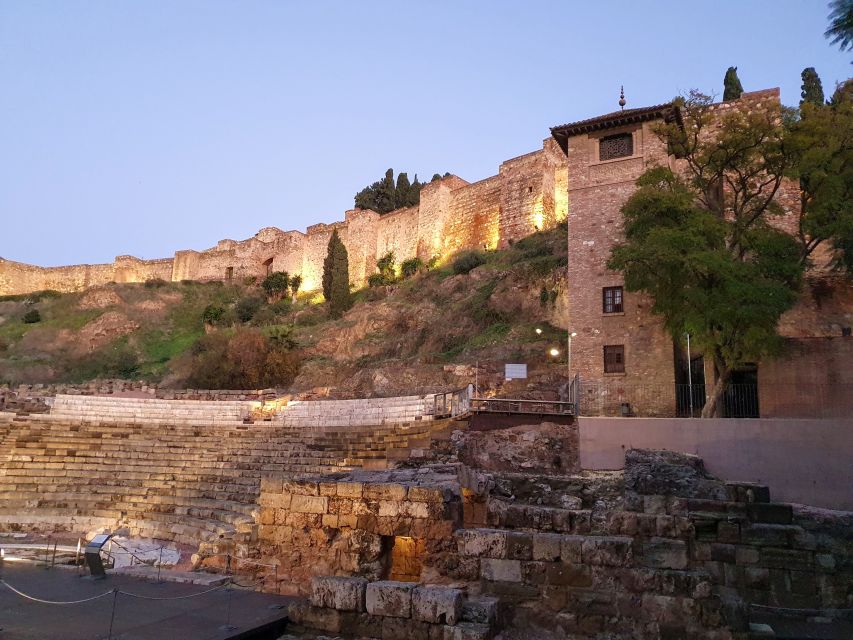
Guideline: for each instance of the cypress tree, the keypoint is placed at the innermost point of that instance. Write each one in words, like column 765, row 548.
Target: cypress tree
column 340, row 299
column 812, row 89
column 328, row 263
column 414, row 193
column 732, row 88
column 385, row 195
column 401, row 191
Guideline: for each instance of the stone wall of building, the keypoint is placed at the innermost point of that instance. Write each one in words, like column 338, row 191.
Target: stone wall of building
column 527, row 194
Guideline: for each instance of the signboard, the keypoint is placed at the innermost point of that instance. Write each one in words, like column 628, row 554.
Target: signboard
column 515, row 371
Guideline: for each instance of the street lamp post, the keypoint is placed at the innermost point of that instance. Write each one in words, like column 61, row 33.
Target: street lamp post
column 572, row 334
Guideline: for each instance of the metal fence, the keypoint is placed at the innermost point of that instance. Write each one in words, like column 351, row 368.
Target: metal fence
column 453, row 403
column 606, row 398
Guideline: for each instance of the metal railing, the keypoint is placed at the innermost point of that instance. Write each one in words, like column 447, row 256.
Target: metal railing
column 453, row 403
column 530, row 407
column 762, row 400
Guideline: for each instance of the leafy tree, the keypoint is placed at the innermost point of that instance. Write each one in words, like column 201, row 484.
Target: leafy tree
column 703, row 245
column 336, row 277
column 295, row 283
column 401, row 191
column 821, row 147
column 840, row 27
column 435, row 176
column 213, row 314
column 812, row 89
column 276, row 284
column 732, row 88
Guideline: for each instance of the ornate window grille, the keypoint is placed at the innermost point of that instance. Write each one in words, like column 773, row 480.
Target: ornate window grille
column 618, row 146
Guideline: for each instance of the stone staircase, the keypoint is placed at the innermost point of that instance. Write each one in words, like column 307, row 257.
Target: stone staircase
column 361, row 412
column 189, row 476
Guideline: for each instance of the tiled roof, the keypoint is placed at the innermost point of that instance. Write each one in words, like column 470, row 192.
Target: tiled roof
column 563, row 132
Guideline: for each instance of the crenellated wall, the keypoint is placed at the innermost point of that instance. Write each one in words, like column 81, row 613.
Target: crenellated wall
column 529, row 193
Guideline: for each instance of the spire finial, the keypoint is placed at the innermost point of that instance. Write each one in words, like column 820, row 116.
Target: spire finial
column 622, row 101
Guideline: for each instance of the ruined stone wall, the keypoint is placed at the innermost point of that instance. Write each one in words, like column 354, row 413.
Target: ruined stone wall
column 347, row 524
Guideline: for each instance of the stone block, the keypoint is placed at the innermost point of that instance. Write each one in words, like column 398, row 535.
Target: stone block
column 389, row 508
column 500, row 570
column 437, row 605
column 546, row 546
column 519, row 546
column 562, row 574
column 301, row 487
column 482, row 543
column 426, row 494
column 728, row 532
column 384, row 491
column 655, row 505
column 403, row 629
column 774, row 558
column 318, row 618
column 471, row 631
column 663, row 553
column 770, row 535
column 571, row 549
column 390, row 598
column 335, row 592
column 608, row 551
column 480, row 609
column 349, row 489
column 746, row 555
column 770, row 513
column 309, row 504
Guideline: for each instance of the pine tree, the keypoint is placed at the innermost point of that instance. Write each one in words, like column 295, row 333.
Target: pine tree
column 401, row 191
column 732, row 88
column 812, row 87
column 340, row 299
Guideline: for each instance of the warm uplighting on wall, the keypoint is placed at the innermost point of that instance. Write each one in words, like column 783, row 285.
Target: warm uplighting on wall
column 538, row 216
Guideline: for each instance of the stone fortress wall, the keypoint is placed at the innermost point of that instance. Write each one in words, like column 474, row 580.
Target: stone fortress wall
column 529, row 193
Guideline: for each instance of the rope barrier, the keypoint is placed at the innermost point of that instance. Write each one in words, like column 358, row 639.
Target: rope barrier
column 192, row 595
column 793, row 610
column 115, row 591
column 59, row 602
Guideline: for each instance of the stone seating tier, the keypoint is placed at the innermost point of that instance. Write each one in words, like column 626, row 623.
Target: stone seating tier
column 183, row 482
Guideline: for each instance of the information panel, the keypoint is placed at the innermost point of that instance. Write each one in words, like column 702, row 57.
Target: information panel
column 515, row 371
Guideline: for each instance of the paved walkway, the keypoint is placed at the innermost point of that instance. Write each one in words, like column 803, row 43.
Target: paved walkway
column 195, row 618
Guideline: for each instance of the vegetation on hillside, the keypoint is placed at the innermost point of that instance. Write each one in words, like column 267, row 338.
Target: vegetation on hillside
column 472, row 306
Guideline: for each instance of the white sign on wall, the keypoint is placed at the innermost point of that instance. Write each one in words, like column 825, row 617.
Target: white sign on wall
column 515, row 371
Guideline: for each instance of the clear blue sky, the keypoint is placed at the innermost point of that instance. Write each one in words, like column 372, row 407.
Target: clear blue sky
column 145, row 127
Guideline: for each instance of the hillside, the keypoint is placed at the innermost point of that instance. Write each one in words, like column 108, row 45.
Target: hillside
column 475, row 307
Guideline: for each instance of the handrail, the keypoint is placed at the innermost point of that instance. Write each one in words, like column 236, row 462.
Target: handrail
column 510, row 405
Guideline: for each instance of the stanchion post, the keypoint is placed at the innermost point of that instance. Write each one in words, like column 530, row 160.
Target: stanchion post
column 160, row 563
column 113, row 614
column 53, row 558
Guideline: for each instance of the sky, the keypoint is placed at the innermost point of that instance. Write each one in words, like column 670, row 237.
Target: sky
column 141, row 128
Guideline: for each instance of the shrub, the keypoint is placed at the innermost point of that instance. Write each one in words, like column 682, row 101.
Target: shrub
column 543, row 296
column 468, row 261
column 32, row 316
column 282, row 307
column 375, row 280
column 411, row 266
column 250, row 281
column 155, row 283
column 247, row 307
column 432, row 263
column 213, row 314
column 246, row 360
